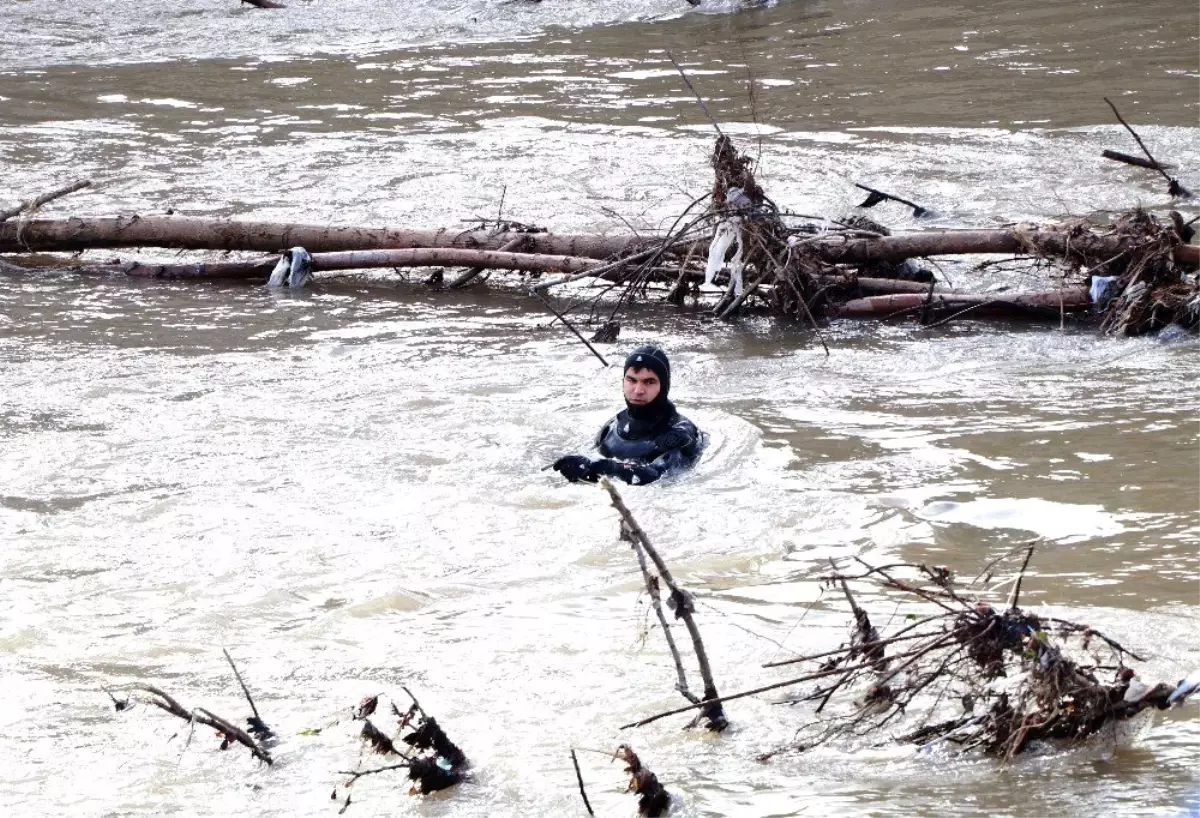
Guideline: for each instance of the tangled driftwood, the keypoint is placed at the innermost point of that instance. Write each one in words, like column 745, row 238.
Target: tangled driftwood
column 1013, row 676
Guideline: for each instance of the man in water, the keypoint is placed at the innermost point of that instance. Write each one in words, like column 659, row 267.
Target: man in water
column 647, row 440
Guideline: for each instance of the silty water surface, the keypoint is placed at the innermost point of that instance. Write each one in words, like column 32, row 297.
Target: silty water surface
column 343, row 487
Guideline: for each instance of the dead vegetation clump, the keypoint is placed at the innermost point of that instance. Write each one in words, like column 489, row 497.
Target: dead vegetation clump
column 1013, row 676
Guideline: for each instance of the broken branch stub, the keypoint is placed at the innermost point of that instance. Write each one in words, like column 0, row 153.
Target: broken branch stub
column 653, row 799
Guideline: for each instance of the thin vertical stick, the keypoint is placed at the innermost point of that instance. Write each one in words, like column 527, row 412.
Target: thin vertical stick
column 579, row 778
column 245, row 690
column 692, row 88
column 1016, row 592
column 656, row 601
column 569, row 326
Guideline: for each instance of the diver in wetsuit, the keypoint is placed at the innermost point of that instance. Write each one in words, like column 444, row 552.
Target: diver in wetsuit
column 646, row 440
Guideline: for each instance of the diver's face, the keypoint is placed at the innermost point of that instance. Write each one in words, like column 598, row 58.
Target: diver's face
column 641, row 386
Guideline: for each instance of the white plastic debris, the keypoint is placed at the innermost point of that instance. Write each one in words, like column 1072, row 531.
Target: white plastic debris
column 736, row 199
column 279, row 274
column 1100, row 287
column 1186, row 688
column 301, row 272
column 727, row 234
column 294, row 268
column 1136, row 691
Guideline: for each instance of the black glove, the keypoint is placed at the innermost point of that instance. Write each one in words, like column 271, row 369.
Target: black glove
column 633, row 474
column 575, row 467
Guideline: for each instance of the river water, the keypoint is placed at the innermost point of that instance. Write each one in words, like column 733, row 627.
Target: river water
column 343, row 487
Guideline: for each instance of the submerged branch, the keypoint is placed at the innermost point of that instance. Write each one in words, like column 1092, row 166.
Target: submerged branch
column 684, row 609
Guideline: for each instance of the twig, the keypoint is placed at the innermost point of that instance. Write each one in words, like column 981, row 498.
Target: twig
column 234, row 732
column 1137, row 161
column 38, row 201
column 1016, row 591
column 998, row 559
column 416, row 703
column 245, row 690
column 692, row 88
column 579, row 778
column 878, row 196
column 1155, row 165
column 569, row 326
column 800, row 297
column 164, row 701
column 1173, row 186
column 1112, row 643
column 683, row 607
column 354, row 776
column 594, row 272
column 808, row 677
column 841, row 650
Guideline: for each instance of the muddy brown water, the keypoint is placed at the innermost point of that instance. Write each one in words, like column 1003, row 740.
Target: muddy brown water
column 343, row 486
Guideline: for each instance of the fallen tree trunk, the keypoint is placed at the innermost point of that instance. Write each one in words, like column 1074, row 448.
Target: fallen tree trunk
column 359, row 260
column 429, row 256
column 1070, row 299
column 878, row 286
column 964, row 242
column 187, row 233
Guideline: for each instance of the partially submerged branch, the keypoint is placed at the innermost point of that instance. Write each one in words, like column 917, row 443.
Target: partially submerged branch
column 38, row 201
column 684, row 606
column 228, row 732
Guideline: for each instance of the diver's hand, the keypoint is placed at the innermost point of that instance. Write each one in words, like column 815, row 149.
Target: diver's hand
column 633, row 474
column 575, row 467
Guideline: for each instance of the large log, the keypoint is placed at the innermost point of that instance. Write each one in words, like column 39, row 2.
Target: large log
column 188, row 233
column 1068, row 299
column 963, row 242
column 253, row 269
column 359, row 260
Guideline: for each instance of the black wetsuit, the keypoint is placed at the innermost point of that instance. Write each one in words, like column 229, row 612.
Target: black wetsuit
column 641, row 451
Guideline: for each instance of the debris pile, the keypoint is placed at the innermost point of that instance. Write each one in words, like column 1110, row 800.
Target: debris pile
column 967, row 675
column 432, row 761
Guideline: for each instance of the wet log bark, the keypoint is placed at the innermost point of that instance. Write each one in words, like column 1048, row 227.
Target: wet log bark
column 1071, row 299
column 964, row 242
column 358, row 260
column 187, row 233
